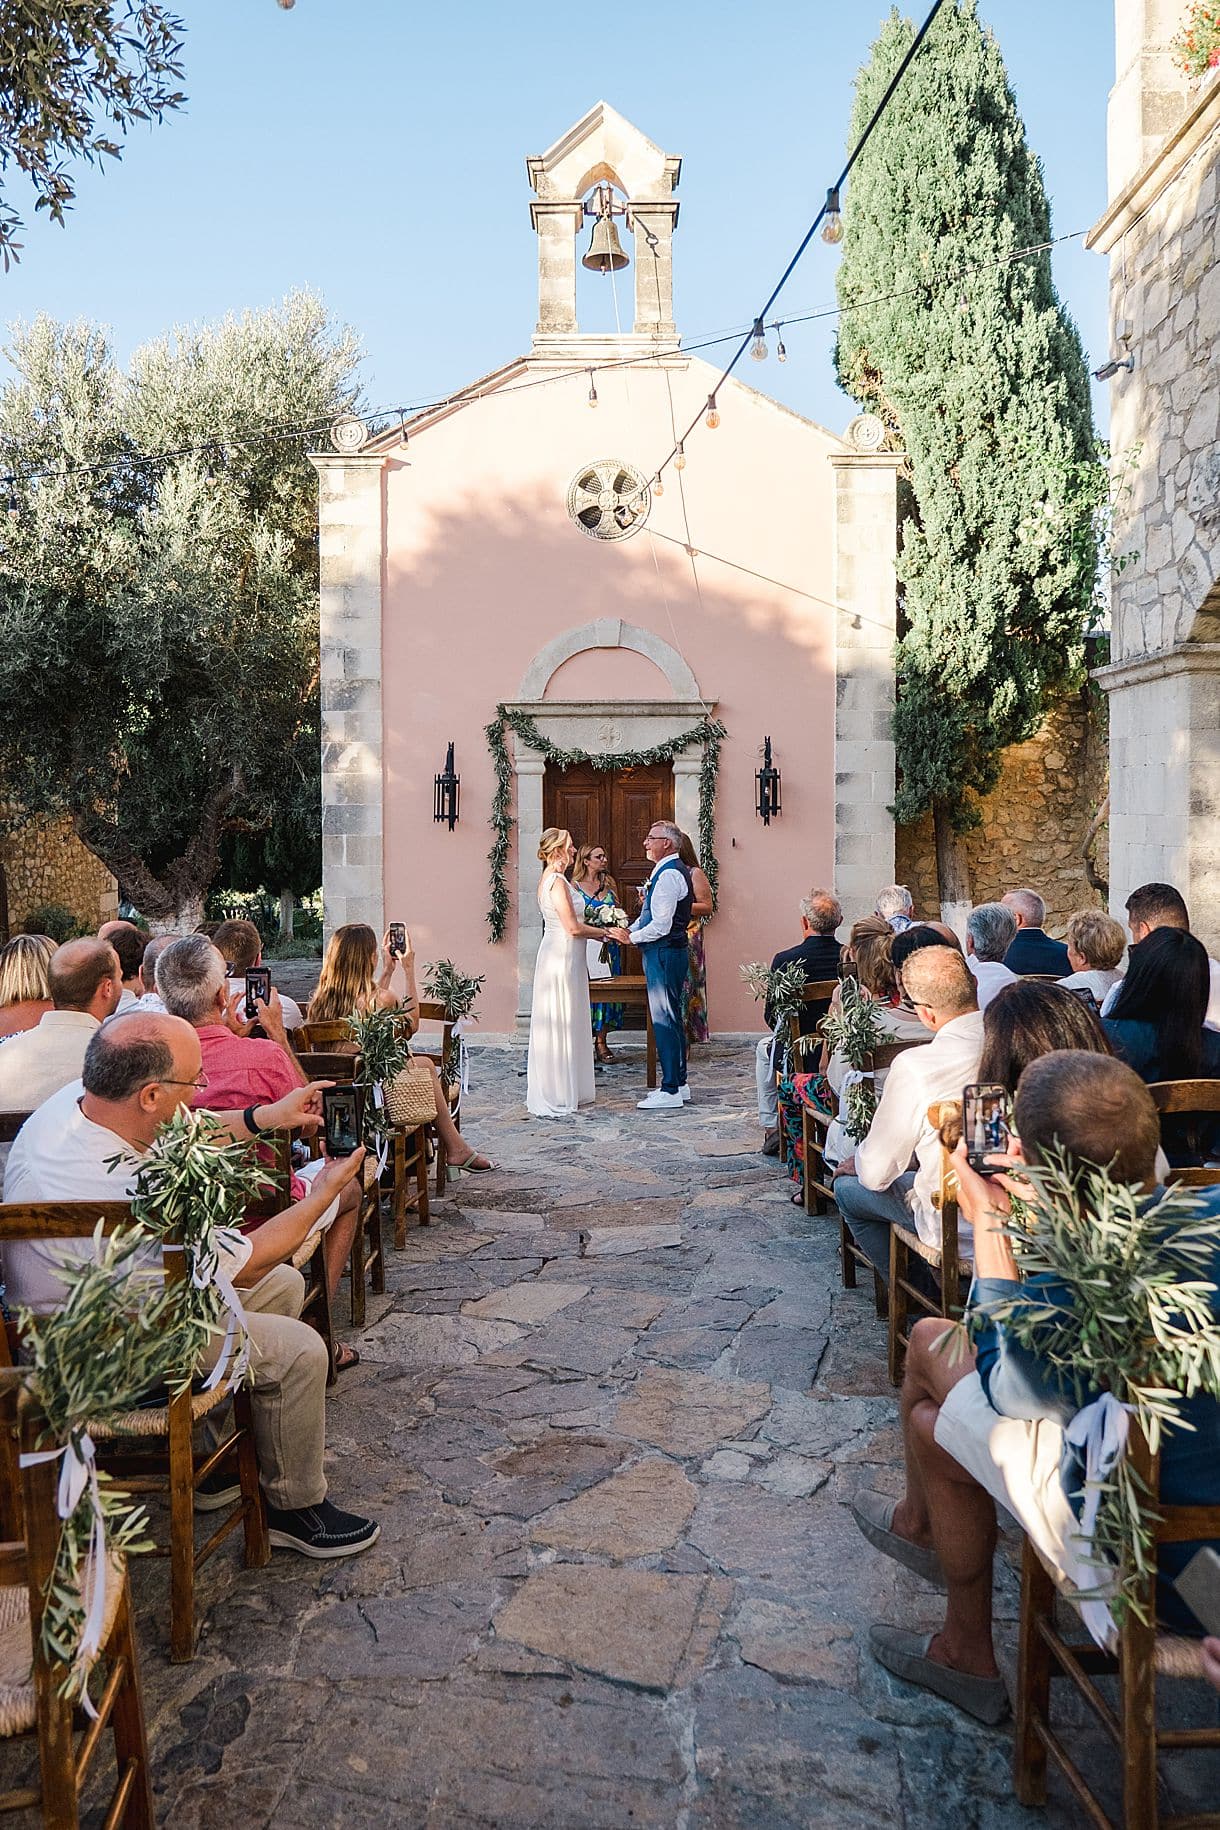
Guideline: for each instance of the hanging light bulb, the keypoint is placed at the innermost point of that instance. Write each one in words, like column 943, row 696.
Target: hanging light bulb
column 963, row 304
column 14, row 507
column 832, row 228
column 713, row 414
column 758, row 349
column 781, row 354
column 680, row 457
column 592, row 390
column 288, row 5
column 658, row 487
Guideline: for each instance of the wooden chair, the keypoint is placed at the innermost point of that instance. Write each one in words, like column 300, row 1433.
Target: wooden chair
column 817, row 991
column 1194, row 1104
column 408, row 1157
column 945, row 1261
column 175, row 1469
column 881, row 1059
column 10, row 1125
column 430, row 1011
column 29, row 1683
column 316, row 1309
column 1144, row 1655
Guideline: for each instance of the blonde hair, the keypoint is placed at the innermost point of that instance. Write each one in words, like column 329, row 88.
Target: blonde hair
column 348, row 980
column 553, row 839
column 1097, row 937
column 23, row 969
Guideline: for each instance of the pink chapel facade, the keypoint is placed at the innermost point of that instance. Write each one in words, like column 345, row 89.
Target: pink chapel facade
column 759, row 589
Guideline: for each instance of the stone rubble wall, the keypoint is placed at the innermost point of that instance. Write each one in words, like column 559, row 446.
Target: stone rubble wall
column 1034, row 823
column 44, row 862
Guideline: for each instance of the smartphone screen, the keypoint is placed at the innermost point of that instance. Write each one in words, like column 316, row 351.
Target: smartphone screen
column 398, row 937
column 1199, row 1587
column 848, row 969
column 258, row 990
column 984, row 1124
column 1086, row 997
column 343, row 1119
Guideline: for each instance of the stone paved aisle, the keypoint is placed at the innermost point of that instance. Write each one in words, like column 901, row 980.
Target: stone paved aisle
column 608, row 1416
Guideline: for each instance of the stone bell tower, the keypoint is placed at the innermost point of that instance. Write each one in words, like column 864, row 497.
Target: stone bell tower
column 603, row 150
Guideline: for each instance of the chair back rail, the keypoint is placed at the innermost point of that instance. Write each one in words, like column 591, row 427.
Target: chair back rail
column 1189, row 1103
column 10, row 1125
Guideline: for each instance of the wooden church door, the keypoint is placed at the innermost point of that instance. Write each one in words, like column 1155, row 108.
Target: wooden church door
column 613, row 808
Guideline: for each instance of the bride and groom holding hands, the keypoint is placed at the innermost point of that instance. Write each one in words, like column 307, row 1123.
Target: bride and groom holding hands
column 560, row 1075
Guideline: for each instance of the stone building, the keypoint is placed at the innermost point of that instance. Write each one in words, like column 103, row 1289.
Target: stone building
column 506, row 550
column 42, row 863
column 1163, row 680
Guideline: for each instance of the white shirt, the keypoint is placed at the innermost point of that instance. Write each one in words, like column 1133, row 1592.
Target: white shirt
column 152, row 1000
column 1097, row 979
column 290, row 1010
column 667, row 893
column 1210, row 1021
column 39, row 1061
column 127, row 1001
column 60, row 1155
column 900, row 1129
column 991, row 975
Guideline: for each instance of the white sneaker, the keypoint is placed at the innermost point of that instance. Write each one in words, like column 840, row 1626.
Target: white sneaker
column 684, row 1094
column 660, row 1101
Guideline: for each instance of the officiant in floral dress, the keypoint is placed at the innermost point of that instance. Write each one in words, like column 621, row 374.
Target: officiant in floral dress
column 591, row 876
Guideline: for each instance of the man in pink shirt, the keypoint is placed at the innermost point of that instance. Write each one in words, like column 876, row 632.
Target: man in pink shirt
column 243, row 1070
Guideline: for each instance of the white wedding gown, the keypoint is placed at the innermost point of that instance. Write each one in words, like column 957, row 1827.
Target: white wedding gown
column 560, row 1067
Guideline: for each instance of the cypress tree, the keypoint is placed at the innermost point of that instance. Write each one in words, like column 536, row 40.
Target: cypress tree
column 979, row 375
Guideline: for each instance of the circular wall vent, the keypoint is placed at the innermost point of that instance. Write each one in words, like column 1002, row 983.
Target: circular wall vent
column 609, row 499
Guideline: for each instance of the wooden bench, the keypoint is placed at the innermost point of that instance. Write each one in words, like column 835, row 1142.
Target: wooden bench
column 632, row 991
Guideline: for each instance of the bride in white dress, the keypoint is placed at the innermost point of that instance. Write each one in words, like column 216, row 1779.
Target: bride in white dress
column 560, row 1066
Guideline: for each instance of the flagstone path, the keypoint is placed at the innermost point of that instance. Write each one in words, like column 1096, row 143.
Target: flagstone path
column 609, row 1415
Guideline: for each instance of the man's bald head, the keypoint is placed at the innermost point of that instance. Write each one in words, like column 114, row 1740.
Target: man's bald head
column 85, row 975
column 939, row 980
column 136, row 1050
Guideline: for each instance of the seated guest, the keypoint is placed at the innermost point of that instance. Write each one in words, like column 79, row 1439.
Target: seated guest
column 990, row 929
column 137, row 1072
column 1095, row 944
column 242, row 1070
column 129, row 943
column 350, row 984
column 1159, row 905
column 987, row 1426
column 84, row 981
column 1031, row 949
column 875, row 1189
column 894, row 905
column 25, row 996
column 242, row 946
column 1156, row 1025
column 819, row 953
column 914, row 939
column 869, row 947
column 150, row 997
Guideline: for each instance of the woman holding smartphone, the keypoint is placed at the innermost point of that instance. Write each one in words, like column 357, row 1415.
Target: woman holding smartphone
column 358, row 976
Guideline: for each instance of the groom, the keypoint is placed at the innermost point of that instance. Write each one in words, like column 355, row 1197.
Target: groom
column 660, row 935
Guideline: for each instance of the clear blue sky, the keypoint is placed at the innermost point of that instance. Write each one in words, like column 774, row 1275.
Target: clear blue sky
column 373, row 150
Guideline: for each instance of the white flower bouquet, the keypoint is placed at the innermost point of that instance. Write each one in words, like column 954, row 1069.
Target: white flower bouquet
column 607, row 915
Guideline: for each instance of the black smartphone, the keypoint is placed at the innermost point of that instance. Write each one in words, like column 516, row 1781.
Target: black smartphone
column 848, row 969
column 342, row 1119
column 985, row 1125
column 398, row 938
column 1086, row 997
column 258, row 990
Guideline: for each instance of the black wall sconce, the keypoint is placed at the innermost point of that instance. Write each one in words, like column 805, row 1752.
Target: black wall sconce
column 768, row 786
column 448, row 793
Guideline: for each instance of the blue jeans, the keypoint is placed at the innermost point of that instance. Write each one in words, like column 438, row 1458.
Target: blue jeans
column 871, row 1213
column 665, row 975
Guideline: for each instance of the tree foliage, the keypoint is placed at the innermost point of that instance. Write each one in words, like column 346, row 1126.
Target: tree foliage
column 979, row 374
column 158, row 621
column 73, row 73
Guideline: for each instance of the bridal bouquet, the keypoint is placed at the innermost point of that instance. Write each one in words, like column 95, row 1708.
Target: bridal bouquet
column 607, row 915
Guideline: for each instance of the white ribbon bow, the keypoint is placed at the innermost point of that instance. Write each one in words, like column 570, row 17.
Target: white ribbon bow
column 459, row 1030
column 1100, row 1430
column 79, row 1472
column 383, row 1149
column 206, row 1274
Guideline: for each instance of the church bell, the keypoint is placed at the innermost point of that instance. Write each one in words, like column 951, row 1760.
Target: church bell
column 605, row 253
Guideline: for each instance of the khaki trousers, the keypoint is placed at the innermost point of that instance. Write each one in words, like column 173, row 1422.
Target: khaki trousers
column 288, row 1391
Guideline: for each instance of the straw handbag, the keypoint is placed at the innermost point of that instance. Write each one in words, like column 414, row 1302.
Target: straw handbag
column 410, row 1097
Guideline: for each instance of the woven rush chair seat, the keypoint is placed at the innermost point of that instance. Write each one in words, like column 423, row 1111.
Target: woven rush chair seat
column 18, row 1695
column 154, row 1420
